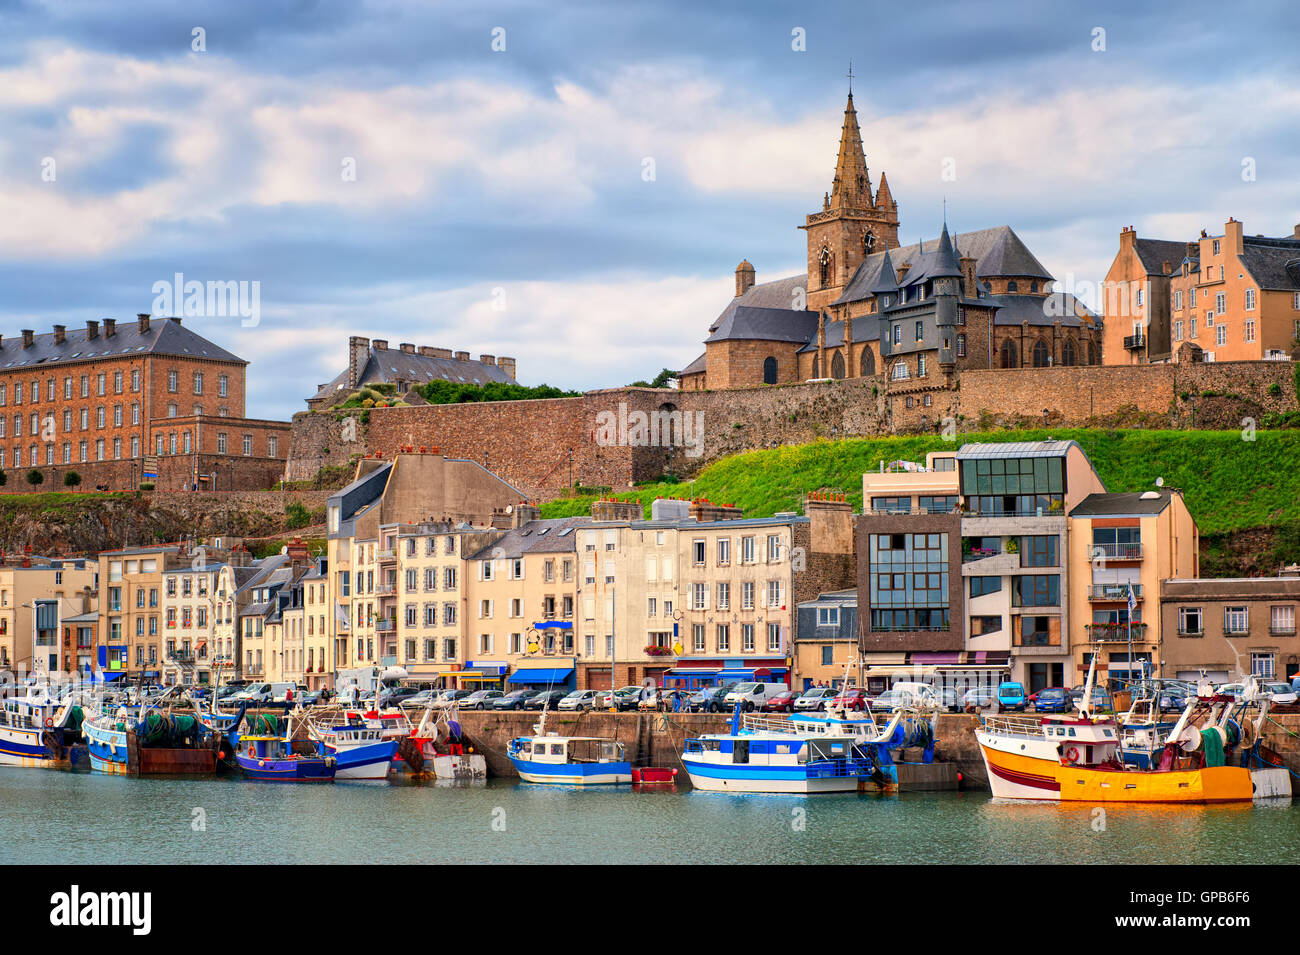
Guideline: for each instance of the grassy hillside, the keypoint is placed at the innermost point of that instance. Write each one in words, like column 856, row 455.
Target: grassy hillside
column 1230, row 484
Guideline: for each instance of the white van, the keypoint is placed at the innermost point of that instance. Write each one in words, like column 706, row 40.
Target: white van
column 918, row 695
column 753, row 695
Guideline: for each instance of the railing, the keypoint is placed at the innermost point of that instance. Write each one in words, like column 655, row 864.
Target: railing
column 1281, row 630
column 1118, row 551
column 979, row 553
column 1031, row 726
column 384, row 626
column 1116, row 631
column 1191, row 633
column 1113, row 591
column 829, row 768
column 386, row 590
column 1135, row 341
column 384, row 556
column 1235, row 631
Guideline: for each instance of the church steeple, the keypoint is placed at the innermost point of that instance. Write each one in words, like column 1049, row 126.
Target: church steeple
column 852, row 186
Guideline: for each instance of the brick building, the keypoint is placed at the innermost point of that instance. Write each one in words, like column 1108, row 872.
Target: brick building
column 117, row 404
column 868, row 307
column 1228, row 297
column 408, row 365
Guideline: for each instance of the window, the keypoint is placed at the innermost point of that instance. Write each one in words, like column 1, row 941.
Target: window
column 223, row 385
column 747, row 550
column 747, row 637
column 697, row 553
column 920, row 331
column 1248, row 330
column 198, row 382
column 1221, row 334
column 1037, row 590
column 1178, row 299
column 135, row 379
column 699, row 597
column 724, row 550
column 1040, row 551
column 961, row 345
column 900, row 371
column 828, row 616
column 724, row 638
column 221, row 442
column 1250, row 299
column 979, row 586
column 724, row 597
column 773, row 548
column 697, row 638
column 1178, row 330
column 1236, row 621
column 173, row 381
column 1282, row 620
column 1189, row 622
column 248, row 445
column 273, row 446
column 1262, row 666
column 1220, row 303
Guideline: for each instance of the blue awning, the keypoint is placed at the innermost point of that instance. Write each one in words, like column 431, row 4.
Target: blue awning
column 108, row 676
column 490, row 669
column 747, row 673
column 691, row 671
column 553, row 625
column 556, row 675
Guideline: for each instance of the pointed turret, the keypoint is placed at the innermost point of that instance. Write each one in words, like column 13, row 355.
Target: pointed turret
column 852, row 186
column 945, row 263
column 887, row 281
column 884, row 198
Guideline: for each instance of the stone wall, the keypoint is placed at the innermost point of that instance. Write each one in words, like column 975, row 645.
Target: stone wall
column 528, row 442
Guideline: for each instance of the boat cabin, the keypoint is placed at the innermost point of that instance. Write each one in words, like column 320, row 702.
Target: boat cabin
column 569, row 749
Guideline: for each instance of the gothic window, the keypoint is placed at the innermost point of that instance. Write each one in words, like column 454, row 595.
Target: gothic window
column 1067, row 353
column 824, row 266
column 1041, row 355
column 769, row 370
column 1033, row 286
column 867, row 366
column 1092, row 354
column 817, row 368
column 1013, row 286
column 1008, row 356
column 837, row 366
column 868, row 242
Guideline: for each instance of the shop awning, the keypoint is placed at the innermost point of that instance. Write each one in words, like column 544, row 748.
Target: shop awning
column 936, row 658
column 486, row 668
column 108, row 676
column 533, row 677
column 885, row 659
column 691, row 671
column 749, row 673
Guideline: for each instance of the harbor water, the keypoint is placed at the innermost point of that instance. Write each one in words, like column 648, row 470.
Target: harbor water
column 55, row 817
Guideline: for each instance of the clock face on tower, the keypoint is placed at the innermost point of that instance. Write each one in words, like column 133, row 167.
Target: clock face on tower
column 868, row 242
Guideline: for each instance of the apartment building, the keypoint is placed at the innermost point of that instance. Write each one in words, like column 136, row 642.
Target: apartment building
column 234, row 589
column 421, row 590
column 189, row 612
column 1225, row 629
column 38, row 600
column 1122, row 543
column 316, row 610
column 131, row 607
column 412, row 488
column 1225, row 297
column 826, row 640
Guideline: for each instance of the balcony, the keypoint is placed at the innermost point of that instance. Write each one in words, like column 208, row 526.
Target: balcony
column 385, row 626
column 1135, row 341
column 387, row 589
column 1117, row 551
column 1115, row 632
column 1113, row 592
column 387, row 556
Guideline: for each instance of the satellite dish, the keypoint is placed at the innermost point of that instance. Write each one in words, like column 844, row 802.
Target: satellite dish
column 1160, row 482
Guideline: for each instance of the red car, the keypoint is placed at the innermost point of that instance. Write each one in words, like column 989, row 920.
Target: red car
column 853, row 698
column 782, row 702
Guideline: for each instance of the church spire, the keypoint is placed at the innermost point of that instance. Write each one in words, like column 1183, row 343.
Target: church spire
column 852, row 186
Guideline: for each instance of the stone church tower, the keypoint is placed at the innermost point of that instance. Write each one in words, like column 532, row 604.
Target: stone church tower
column 852, row 222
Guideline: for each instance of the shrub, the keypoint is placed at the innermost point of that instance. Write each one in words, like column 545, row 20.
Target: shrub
column 71, row 479
column 1275, row 390
column 296, row 515
column 35, row 477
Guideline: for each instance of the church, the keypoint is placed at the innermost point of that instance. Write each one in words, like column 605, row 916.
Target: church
column 911, row 315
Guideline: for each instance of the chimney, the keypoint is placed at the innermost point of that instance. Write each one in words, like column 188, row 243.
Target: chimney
column 29, row 336
column 92, row 330
column 426, row 351
column 487, row 359
column 969, row 283
column 830, row 523
column 358, row 354
column 1232, row 234
column 1295, row 234
column 60, row 334
column 380, row 344
column 407, row 348
column 1127, row 238
column 1166, row 267
column 462, row 356
column 110, row 327
column 901, row 271
column 508, row 366
column 142, row 322
column 744, row 277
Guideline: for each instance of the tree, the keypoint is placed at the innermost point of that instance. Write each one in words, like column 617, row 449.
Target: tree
column 660, row 380
column 35, row 477
column 71, row 479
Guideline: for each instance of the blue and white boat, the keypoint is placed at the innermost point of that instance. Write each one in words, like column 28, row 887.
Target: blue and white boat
column 569, row 760
column 806, row 754
column 38, row 730
column 362, row 750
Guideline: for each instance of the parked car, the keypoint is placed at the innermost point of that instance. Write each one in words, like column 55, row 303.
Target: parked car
column 514, row 700
column 1171, row 701
column 1101, row 700
column 420, row 700
column 396, row 695
column 1281, row 693
column 1052, row 699
column 978, row 697
column 711, row 699
column 813, row 699
column 1011, row 696
column 753, row 695
column 480, row 699
column 256, row 694
column 906, row 694
column 782, row 702
column 579, row 700
column 625, row 698
column 546, row 699
column 648, row 697
column 448, row 697
column 851, row 697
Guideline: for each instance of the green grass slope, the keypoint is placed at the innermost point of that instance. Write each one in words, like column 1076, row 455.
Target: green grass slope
column 1229, row 483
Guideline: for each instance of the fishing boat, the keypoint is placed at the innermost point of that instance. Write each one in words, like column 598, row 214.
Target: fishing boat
column 360, row 749
column 1210, row 755
column 569, row 760
column 437, row 744
column 38, row 730
column 266, row 753
column 837, row 752
column 1143, row 730
column 155, row 742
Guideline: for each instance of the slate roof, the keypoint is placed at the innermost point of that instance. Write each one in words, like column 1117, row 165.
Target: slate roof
column 164, row 337
column 385, row 365
column 1154, row 253
column 536, row 537
column 1110, row 505
column 1273, row 263
column 1057, row 306
column 866, row 328
column 696, row 366
column 778, row 294
column 749, row 323
column 997, row 251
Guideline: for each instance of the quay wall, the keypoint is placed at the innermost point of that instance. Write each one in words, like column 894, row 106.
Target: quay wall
column 650, row 739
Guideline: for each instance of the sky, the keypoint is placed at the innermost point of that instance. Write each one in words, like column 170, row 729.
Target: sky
column 572, row 184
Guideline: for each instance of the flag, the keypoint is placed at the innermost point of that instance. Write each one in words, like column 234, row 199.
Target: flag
column 1132, row 600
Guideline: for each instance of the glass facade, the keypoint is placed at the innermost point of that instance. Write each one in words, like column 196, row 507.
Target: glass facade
column 909, row 582
column 1011, row 486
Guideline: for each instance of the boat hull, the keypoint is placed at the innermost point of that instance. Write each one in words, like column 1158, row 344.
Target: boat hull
column 799, row 779
column 573, row 774
column 371, row 761
column 303, row 769
column 1016, row 776
column 25, row 748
